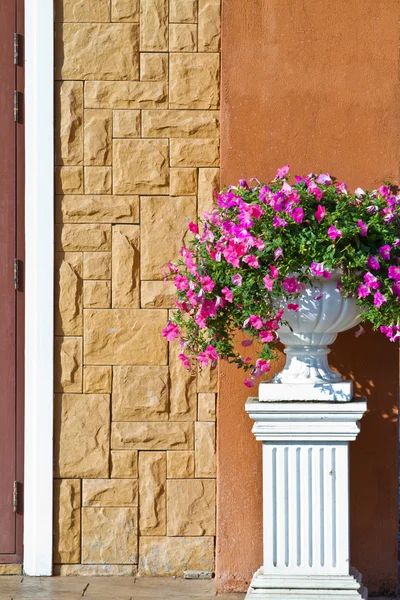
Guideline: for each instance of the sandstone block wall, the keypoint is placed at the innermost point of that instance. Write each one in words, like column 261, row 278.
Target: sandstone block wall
column 137, row 157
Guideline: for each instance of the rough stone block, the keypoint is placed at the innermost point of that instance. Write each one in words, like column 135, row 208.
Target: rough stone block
column 183, row 182
column 69, row 123
column 209, row 25
column 141, row 166
column 126, row 94
column 124, row 464
column 207, row 379
column 180, row 464
column 125, row 11
column 97, row 51
column 97, row 570
column 98, row 180
column 126, row 123
column 81, row 434
column 171, row 556
column 68, row 293
column 10, row 569
column 140, row 394
column 183, row 37
column 206, row 407
column 110, row 492
column 180, row 123
column 68, row 180
column 153, row 25
column 190, row 507
column 97, row 265
column 157, row 294
column 89, row 11
column 125, row 266
column 97, row 209
column 164, row 230
column 97, row 135
column 93, row 237
column 205, row 449
column 109, row 536
column 152, row 483
column 194, row 80
column 125, row 337
column 182, row 393
column 153, row 66
column 68, row 364
column 96, row 294
column 97, row 380
column 151, row 436
column 67, row 521
column 208, row 183
column 194, row 153
column 183, row 11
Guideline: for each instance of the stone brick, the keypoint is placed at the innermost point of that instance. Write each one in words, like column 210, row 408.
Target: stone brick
column 125, row 11
column 124, row 464
column 10, row 569
column 183, row 11
column 126, row 123
column 125, row 337
column 183, row 182
column 151, row 436
column 87, row 237
column 110, row 492
column 153, row 66
column 97, row 265
column 180, row 123
column 152, row 482
column 141, row 166
column 194, row 153
column 97, row 380
column 68, row 293
column 69, row 123
column 194, row 80
column 208, row 183
column 126, row 94
column 207, row 379
column 209, row 25
column 89, row 11
column 206, row 407
column 171, row 556
column 97, row 570
column 140, row 394
column 191, row 507
column 81, row 434
column 205, row 449
column 98, row 180
column 164, row 230
column 68, row 180
column 67, row 521
column 153, row 25
column 68, row 364
column 97, row 209
column 182, row 393
column 109, row 536
column 183, row 37
column 180, row 464
column 157, row 294
column 96, row 294
column 125, row 266
column 97, row 51
column 97, row 135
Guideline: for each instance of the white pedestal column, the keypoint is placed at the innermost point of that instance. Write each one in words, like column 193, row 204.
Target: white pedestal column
column 305, row 500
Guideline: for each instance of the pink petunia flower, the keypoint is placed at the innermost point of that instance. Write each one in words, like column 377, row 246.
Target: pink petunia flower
column 170, row 332
column 227, row 294
column 341, row 188
column 384, row 251
column 249, row 382
column 363, row 290
column 363, row 228
column 181, row 283
column 193, row 227
column 396, row 289
column 379, row 299
column 251, row 260
column 237, row 279
column 203, row 359
column 294, row 307
column 185, row 360
column 279, row 222
column 371, row 281
column 373, row 263
column 266, row 336
column 324, row 178
column 268, row 283
column 384, row 191
column 394, row 273
column 278, row 253
column 334, row 233
column 297, row 215
column 359, row 192
column 282, row 172
column 211, row 352
column 291, row 285
column 263, row 365
column 320, row 213
column 255, row 321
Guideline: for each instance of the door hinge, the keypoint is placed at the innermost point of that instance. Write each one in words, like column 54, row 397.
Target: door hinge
column 16, row 49
column 15, row 497
column 16, row 274
column 16, row 106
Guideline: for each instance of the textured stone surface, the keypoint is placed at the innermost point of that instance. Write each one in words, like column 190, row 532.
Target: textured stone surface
column 209, row 25
column 153, row 66
column 97, row 265
column 141, row 166
column 126, row 123
column 97, row 51
column 191, row 507
column 81, row 435
column 140, row 394
column 152, row 436
column 98, row 180
column 206, row 407
column 95, row 570
column 194, row 80
column 110, row 492
column 125, row 94
column 96, row 294
column 180, row 464
column 69, row 123
column 183, row 182
column 153, row 25
column 180, row 123
column 97, row 209
column 207, row 379
column 68, row 289
column 194, row 153
column 97, row 134
column 125, row 266
column 97, row 380
column 157, row 294
column 182, row 37
column 67, row 520
column 204, row 449
column 68, row 364
column 124, row 464
column 125, row 337
column 171, row 556
column 109, row 536
column 82, row 10
column 125, row 11
column 92, row 237
column 164, row 230
column 208, row 183
column 182, row 393
column 68, row 180
column 10, row 569
column 183, row 11
column 152, row 483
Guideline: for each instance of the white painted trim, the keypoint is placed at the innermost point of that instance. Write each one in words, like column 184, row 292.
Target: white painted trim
column 39, row 199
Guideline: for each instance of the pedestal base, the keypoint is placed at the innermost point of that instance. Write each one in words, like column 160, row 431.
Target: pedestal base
column 340, row 391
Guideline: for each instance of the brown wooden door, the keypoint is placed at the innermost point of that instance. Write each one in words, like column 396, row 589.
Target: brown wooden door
column 11, row 80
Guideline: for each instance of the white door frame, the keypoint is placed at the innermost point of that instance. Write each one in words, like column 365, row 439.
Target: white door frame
column 39, row 290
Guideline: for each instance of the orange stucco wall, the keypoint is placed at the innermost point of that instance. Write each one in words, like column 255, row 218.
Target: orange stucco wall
column 314, row 84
